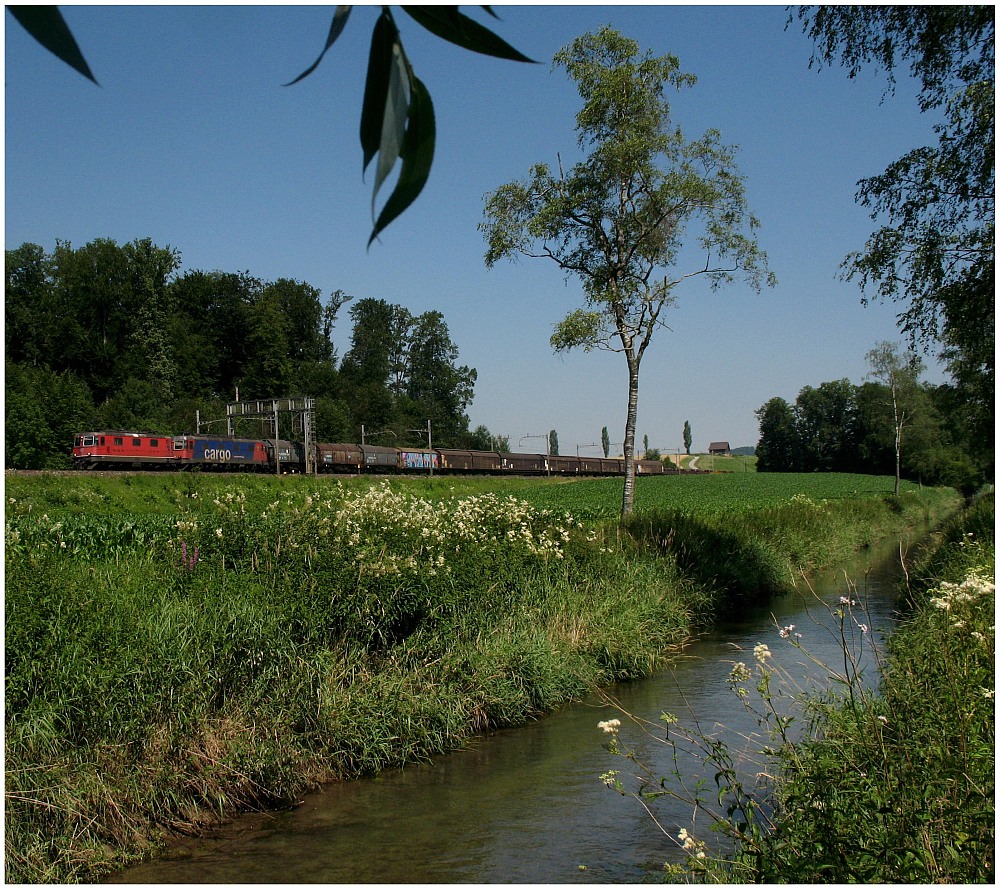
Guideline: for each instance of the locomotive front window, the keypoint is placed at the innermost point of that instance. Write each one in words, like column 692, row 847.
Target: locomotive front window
column 178, row 444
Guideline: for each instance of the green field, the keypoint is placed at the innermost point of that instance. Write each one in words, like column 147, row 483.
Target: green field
column 586, row 499
column 711, row 494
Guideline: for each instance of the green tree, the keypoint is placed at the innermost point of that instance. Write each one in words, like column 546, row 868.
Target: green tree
column 437, row 387
column 899, row 375
column 623, row 214
column 108, row 317
column 687, row 437
column 778, row 447
column 27, row 301
column 269, row 369
column 365, row 367
column 43, row 409
column 211, row 330
column 826, row 423
column 553, row 443
column 605, row 441
column 935, row 251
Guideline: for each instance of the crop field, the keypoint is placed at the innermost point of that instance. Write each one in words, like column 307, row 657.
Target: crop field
column 595, row 499
column 585, row 499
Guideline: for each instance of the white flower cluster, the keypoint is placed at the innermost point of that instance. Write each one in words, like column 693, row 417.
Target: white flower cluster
column 690, row 844
column 384, row 531
column 610, row 726
column 963, row 604
column 975, row 586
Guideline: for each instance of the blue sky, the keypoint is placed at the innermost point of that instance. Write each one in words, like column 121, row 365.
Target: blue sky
column 192, row 141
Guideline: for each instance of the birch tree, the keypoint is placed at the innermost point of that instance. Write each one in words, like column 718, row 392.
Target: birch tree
column 643, row 211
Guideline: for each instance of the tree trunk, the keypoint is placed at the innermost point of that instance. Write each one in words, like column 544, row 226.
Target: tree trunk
column 628, row 494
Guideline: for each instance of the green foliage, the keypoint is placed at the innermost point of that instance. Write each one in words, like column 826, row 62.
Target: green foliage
column 107, row 324
column 841, row 427
column 857, row 785
column 935, row 249
column 628, row 208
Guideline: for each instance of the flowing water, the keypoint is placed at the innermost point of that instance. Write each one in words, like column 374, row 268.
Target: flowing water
column 527, row 805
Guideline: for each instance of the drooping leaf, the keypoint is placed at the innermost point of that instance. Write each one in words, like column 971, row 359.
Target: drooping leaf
column 336, row 26
column 397, row 107
column 49, row 28
column 417, row 154
column 384, row 38
column 451, row 25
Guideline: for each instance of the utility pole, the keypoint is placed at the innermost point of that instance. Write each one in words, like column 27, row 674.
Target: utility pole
column 430, row 456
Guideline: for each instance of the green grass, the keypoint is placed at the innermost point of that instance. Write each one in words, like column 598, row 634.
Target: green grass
column 900, row 788
column 594, row 499
column 179, row 648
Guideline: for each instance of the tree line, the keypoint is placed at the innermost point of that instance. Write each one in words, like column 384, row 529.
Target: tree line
column 892, row 423
column 111, row 336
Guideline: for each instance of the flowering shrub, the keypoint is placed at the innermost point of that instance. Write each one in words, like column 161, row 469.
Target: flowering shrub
column 385, row 560
column 381, row 531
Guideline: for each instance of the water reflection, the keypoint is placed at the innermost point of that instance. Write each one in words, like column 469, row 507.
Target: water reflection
column 527, row 805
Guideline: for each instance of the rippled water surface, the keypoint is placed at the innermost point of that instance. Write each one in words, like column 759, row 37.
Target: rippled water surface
column 527, row 805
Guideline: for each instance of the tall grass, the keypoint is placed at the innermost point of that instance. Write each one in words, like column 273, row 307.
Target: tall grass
column 894, row 784
column 196, row 646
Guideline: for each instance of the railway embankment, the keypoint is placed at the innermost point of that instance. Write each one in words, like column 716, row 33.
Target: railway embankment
column 178, row 650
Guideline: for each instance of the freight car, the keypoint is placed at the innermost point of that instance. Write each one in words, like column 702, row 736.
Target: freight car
column 145, row 450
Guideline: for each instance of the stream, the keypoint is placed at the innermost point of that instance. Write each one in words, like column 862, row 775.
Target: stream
column 527, row 805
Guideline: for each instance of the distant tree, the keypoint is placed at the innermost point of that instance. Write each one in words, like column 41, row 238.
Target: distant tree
column 269, row 367
column 27, row 306
column 101, row 312
column 687, row 437
column 899, row 375
column 553, row 443
column 621, row 214
column 211, row 329
column 778, row 447
column 605, row 441
column 365, row 366
column 437, row 387
column 935, row 251
column 826, row 423
column 42, row 411
column 480, row 439
column 136, row 404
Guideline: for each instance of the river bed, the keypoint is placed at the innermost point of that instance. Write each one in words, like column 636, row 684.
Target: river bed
column 527, row 805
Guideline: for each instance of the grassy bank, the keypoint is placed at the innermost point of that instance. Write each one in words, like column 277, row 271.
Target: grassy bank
column 900, row 788
column 181, row 648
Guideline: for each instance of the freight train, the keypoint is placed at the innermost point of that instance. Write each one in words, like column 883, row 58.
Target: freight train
column 148, row 450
